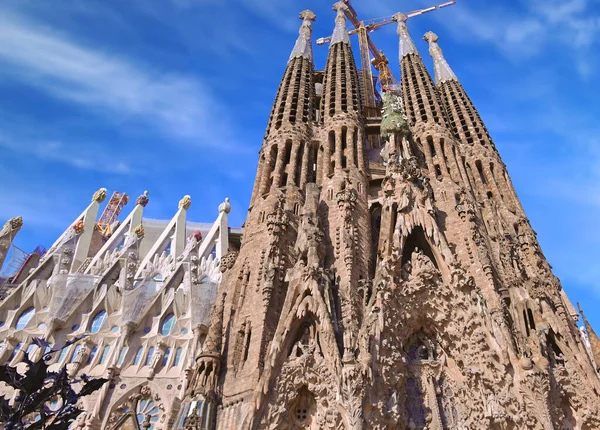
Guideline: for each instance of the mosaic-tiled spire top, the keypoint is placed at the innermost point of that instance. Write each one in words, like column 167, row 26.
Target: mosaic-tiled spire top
column 407, row 46
column 340, row 33
column 443, row 72
column 303, row 46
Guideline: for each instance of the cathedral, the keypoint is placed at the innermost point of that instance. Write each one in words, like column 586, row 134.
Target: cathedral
column 386, row 277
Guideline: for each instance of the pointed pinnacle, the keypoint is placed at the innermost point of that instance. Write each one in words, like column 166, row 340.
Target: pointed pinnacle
column 407, row 46
column 340, row 33
column 443, row 72
column 303, row 46
column 308, row 15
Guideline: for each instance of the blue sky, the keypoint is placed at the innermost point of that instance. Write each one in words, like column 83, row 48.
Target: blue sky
column 173, row 96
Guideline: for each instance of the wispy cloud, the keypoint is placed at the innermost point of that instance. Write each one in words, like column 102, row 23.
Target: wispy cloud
column 116, row 88
column 528, row 30
column 83, row 156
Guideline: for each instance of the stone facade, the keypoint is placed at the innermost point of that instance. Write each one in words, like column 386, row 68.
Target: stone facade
column 143, row 297
column 388, row 278
column 388, row 283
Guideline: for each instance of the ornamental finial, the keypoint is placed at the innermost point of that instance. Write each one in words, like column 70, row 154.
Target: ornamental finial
column 407, row 46
column 99, row 195
column 443, row 72
column 340, row 33
column 225, row 206
column 303, row 46
column 185, row 203
column 143, row 199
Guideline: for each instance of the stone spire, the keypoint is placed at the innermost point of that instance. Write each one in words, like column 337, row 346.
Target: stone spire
column 592, row 338
column 443, row 72
column 407, row 46
column 303, row 46
column 7, row 234
column 340, row 32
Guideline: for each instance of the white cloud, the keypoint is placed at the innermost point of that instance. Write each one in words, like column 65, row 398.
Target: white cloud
column 117, row 88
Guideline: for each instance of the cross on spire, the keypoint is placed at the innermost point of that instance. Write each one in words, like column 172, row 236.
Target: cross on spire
column 303, row 46
column 443, row 72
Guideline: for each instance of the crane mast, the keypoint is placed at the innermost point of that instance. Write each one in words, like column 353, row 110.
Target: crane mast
column 368, row 48
column 111, row 213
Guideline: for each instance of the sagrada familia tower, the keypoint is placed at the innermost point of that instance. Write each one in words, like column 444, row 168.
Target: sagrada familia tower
column 387, row 278
column 392, row 287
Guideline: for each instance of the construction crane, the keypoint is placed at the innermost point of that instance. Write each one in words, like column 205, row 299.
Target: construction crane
column 380, row 61
column 111, row 213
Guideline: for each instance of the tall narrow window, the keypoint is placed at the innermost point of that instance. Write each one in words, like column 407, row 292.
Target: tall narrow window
column 122, row 355
column 24, row 318
column 75, row 352
column 138, row 356
column 165, row 360
column 480, row 170
column 93, row 354
column 97, row 322
column 149, row 356
column 177, row 357
column 247, row 346
column 104, row 355
column 62, row 355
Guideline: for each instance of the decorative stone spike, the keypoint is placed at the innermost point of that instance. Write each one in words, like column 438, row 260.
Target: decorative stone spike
column 185, row 202
column 443, row 72
column 99, row 195
column 340, row 33
column 303, row 46
column 143, row 199
column 407, row 46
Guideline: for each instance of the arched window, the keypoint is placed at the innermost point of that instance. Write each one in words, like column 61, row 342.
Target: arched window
column 177, row 357
column 122, row 355
column 75, row 351
column 147, row 412
column 138, row 356
column 104, row 355
column 205, row 280
column 93, row 354
column 166, row 357
column 149, row 356
column 97, row 322
column 24, row 318
column 167, row 325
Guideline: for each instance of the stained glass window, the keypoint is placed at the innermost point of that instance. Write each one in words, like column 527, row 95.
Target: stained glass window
column 147, row 413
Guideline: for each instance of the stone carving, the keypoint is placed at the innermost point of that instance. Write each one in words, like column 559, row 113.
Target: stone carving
column 99, row 196
column 185, row 203
column 143, row 199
